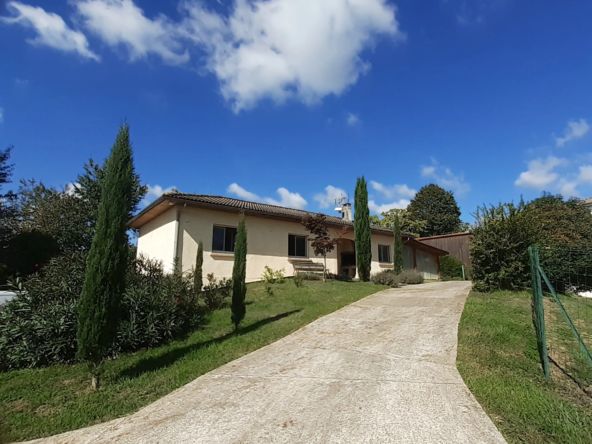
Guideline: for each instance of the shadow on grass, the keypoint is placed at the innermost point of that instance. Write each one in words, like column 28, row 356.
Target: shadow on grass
column 157, row 362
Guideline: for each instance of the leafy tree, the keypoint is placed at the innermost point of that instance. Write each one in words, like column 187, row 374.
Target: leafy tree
column 438, row 208
column 239, row 274
column 408, row 224
column 322, row 243
column 198, row 275
column 104, row 281
column 7, row 199
column 362, row 233
column 398, row 251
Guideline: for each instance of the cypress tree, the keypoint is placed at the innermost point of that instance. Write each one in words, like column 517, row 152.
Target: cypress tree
column 362, row 234
column 398, row 252
column 239, row 274
column 104, row 284
column 198, row 275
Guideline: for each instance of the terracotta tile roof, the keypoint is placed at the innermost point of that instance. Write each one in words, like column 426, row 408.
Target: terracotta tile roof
column 255, row 207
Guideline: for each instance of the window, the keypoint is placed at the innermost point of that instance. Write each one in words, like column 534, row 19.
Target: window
column 384, row 254
column 223, row 239
column 296, row 246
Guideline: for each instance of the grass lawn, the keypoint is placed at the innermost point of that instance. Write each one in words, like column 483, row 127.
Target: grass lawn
column 43, row 402
column 498, row 359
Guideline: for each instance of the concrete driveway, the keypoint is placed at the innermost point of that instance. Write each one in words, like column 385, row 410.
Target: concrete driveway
column 381, row 370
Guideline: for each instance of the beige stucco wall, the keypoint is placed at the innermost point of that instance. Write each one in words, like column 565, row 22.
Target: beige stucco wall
column 267, row 243
column 157, row 238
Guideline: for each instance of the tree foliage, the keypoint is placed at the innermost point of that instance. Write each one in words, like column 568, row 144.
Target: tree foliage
column 239, row 274
column 398, row 247
column 322, row 243
column 408, row 224
column 7, row 198
column 198, row 273
column 502, row 235
column 362, row 233
column 104, row 281
column 438, row 208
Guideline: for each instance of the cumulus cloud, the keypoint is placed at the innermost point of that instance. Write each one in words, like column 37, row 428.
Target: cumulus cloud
column 379, row 209
column 50, row 28
column 284, row 49
column 393, row 191
column 328, row 198
column 352, row 119
column 444, row 177
column 122, row 23
column 71, row 188
column 154, row 192
column 540, row 173
column 287, row 199
column 574, row 130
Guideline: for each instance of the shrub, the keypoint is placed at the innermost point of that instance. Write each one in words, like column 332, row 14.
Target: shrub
column 386, row 277
column 410, row 278
column 216, row 292
column 451, row 268
column 38, row 327
column 271, row 276
column 499, row 248
column 298, row 280
column 310, row 276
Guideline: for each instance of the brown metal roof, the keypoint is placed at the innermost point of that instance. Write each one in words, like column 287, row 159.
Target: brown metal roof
column 227, row 203
column 464, row 233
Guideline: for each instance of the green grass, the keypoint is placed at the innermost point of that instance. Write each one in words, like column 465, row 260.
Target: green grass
column 42, row 402
column 498, row 359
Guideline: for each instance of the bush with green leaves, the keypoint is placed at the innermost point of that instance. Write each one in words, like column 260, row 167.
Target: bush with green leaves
column 271, row 276
column 410, row 278
column 216, row 292
column 298, row 280
column 386, row 277
column 310, row 275
column 38, row 327
column 451, row 268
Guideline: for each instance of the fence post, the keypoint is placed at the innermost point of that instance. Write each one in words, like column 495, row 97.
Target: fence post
column 463, row 272
column 538, row 309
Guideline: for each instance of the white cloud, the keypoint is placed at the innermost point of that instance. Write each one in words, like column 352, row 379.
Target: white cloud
column 352, row 119
column 288, row 49
column 327, row 198
column 1, row 115
column 51, row 29
column 154, row 192
column 444, row 177
column 379, row 209
column 287, row 199
column 393, row 191
column 574, row 130
column 585, row 174
column 540, row 173
column 121, row 22
column 71, row 188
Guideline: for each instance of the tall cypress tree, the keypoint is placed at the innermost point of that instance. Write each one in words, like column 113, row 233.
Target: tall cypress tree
column 239, row 274
column 362, row 234
column 398, row 252
column 104, row 284
column 198, row 275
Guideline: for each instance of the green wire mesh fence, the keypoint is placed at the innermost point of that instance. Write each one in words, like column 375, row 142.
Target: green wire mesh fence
column 562, row 310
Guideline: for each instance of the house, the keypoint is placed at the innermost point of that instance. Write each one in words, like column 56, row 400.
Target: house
column 457, row 245
column 171, row 227
column 587, row 203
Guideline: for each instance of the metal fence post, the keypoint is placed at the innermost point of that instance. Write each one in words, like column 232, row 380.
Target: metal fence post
column 463, row 272
column 538, row 309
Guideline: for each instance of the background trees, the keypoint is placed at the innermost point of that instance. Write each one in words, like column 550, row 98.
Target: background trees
column 438, row 208
column 362, row 232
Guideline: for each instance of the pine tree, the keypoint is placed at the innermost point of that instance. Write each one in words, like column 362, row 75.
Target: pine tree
column 398, row 253
column 104, row 284
column 198, row 275
column 362, row 234
column 239, row 274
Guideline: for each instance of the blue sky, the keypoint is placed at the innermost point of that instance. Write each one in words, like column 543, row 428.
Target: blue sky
column 288, row 101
